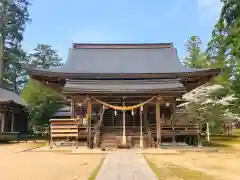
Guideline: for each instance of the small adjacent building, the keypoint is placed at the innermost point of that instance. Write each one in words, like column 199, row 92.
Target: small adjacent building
column 13, row 115
column 127, row 92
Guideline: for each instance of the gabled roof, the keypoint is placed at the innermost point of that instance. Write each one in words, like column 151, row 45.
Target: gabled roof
column 8, row 96
column 128, row 60
column 119, row 59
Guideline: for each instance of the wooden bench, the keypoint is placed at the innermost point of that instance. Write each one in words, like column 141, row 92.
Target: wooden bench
column 63, row 129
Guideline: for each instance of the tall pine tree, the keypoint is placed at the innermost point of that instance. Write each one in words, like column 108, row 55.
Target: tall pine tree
column 13, row 17
column 195, row 58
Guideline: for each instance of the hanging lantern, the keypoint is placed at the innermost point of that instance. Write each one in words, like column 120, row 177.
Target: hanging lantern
column 141, row 109
column 132, row 112
column 115, row 112
column 79, row 104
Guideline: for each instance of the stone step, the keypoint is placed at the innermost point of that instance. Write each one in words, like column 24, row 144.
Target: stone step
column 108, row 140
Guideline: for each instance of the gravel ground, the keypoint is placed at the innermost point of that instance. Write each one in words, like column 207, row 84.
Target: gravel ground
column 17, row 165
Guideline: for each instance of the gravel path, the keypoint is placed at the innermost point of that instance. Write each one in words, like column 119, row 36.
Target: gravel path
column 125, row 165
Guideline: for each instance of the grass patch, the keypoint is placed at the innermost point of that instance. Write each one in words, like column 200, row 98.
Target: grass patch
column 225, row 138
column 169, row 171
column 214, row 144
column 226, row 142
column 154, row 167
column 96, row 170
column 36, row 144
column 236, row 131
column 188, row 174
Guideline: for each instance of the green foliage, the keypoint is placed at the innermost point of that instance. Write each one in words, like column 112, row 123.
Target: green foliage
column 195, row 58
column 13, row 17
column 198, row 112
column 219, row 93
column 224, row 46
column 203, row 113
column 42, row 101
column 45, row 57
column 224, row 49
column 14, row 71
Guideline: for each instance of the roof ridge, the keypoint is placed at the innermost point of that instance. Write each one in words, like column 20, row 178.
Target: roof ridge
column 121, row 45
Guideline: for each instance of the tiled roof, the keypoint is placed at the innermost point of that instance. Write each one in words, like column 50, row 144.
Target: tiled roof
column 7, row 95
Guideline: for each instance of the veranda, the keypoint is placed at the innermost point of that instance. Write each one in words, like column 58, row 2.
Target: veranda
column 130, row 120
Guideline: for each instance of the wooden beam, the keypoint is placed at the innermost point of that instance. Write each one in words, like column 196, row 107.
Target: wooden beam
column 162, row 93
column 73, row 108
column 89, row 119
column 116, row 98
column 158, row 122
column 12, row 122
column 145, row 121
column 2, row 116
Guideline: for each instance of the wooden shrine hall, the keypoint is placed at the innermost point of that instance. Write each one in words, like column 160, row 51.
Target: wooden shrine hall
column 125, row 94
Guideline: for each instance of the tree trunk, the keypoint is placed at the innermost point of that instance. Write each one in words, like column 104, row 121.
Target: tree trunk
column 2, row 40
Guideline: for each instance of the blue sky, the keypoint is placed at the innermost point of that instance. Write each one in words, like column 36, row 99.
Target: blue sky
column 61, row 23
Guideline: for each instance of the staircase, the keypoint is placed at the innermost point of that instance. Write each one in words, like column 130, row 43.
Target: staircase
column 112, row 129
column 111, row 136
column 108, row 137
column 108, row 140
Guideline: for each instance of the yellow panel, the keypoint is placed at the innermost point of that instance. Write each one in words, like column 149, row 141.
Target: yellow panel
column 64, row 127
column 65, row 135
column 64, row 122
column 64, row 131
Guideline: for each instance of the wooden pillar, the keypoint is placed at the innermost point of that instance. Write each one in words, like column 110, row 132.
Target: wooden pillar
column 147, row 124
column 231, row 128
column 124, row 138
column 73, row 108
column 173, row 110
column 173, row 105
column 2, row 116
column 78, row 111
column 141, row 126
column 81, row 114
column 89, row 120
column 158, row 122
column 228, row 128
column 12, row 122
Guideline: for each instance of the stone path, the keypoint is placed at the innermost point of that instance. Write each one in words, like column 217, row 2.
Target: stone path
column 125, row 165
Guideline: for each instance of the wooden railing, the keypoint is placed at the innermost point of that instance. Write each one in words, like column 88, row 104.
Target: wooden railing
column 177, row 129
column 119, row 129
